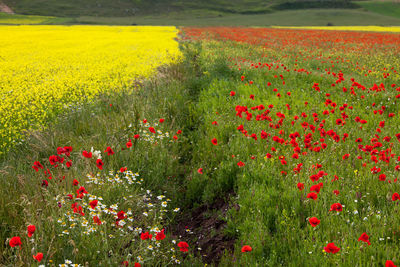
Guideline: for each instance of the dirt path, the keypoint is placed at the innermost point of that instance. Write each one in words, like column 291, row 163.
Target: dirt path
column 203, row 228
column 6, row 9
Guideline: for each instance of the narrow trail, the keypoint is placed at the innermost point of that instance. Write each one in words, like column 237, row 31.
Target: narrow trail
column 5, row 9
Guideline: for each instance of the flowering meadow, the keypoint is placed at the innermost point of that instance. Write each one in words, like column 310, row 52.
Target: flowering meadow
column 296, row 132
column 46, row 69
column 347, row 28
column 305, row 129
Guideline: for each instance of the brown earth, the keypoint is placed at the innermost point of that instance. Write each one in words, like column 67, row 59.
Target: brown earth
column 6, row 9
column 203, row 228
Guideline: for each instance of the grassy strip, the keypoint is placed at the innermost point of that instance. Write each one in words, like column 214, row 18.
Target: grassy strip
column 110, row 120
column 304, row 17
column 12, row 19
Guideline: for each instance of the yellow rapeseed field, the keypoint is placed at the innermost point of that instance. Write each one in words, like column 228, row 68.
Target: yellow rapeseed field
column 347, row 28
column 43, row 69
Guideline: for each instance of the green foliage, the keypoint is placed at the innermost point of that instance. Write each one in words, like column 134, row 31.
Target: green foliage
column 387, row 8
column 209, row 12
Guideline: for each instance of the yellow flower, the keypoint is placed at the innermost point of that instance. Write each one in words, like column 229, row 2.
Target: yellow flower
column 45, row 70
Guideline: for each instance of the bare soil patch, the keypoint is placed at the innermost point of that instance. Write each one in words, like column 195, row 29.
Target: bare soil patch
column 6, row 9
column 203, row 228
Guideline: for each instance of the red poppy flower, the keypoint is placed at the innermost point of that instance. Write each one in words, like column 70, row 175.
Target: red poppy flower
column 314, row 221
column 152, row 130
column 99, row 164
column 75, row 182
column 161, row 120
column 382, row 177
column 31, row 230
column 300, row 186
column 38, row 257
column 109, row 151
column 123, row 169
column 96, row 220
column 67, row 150
column 390, row 263
column 246, row 248
column 37, row 165
column 232, row 93
column 200, row 170
column 183, row 246
column 82, row 190
column 336, row 207
column 53, row 159
column 314, row 177
column 395, row 196
column 45, row 183
column 331, row 248
column 68, row 164
column 160, row 235
column 316, row 188
column 15, row 241
column 129, row 143
column 93, row 203
column 60, row 150
column 175, row 137
column 336, row 192
column 87, row 154
column 136, row 136
column 240, row 164
column 312, row 195
column 365, row 238
column 121, row 215
column 137, row 264
column 214, row 141
column 145, row 236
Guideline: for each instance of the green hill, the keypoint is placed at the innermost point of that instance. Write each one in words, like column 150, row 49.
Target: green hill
column 121, row 8
column 117, row 8
column 206, row 12
column 386, row 8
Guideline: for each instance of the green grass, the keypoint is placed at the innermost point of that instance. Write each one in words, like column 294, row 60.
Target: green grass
column 387, row 8
column 306, row 17
column 31, row 19
column 204, row 13
column 207, row 13
column 132, row 7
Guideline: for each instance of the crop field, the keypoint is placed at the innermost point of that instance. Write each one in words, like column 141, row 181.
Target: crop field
column 46, row 69
column 347, row 28
column 217, row 146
